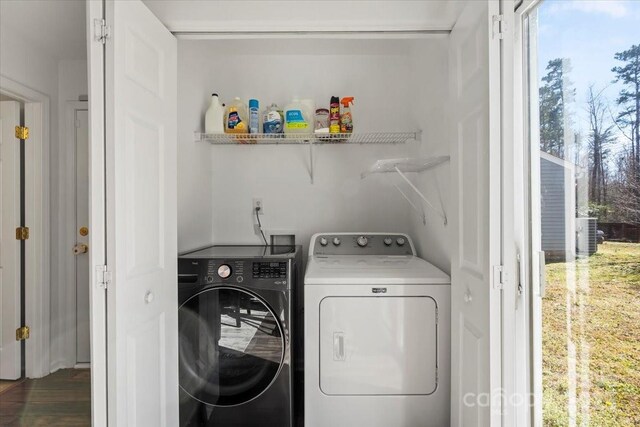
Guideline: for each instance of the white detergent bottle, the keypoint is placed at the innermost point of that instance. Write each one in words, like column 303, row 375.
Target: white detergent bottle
column 214, row 117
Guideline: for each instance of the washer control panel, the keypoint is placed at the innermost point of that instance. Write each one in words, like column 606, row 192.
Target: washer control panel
column 269, row 270
column 362, row 244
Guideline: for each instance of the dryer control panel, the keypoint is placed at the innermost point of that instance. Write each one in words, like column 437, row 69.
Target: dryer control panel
column 383, row 244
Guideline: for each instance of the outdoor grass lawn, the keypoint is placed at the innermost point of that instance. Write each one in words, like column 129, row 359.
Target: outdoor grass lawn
column 591, row 339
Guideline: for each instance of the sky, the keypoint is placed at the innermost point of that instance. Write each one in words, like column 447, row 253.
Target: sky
column 589, row 32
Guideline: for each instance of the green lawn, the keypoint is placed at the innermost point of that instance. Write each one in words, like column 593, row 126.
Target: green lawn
column 591, row 339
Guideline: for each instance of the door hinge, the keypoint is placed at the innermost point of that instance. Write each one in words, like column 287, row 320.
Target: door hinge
column 22, row 333
column 499, row 26
column 498, row 277
column 22, row 132
column 102, row 31
column 22, row 233
column 103, row 276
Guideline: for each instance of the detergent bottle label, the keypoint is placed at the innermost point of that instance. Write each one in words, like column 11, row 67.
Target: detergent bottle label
column 295, row 120
column 234, row 120
column 272, row 122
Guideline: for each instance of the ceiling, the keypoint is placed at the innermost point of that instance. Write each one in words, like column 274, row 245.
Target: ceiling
column 58, row 26
column 55, row 26
column 305, row 15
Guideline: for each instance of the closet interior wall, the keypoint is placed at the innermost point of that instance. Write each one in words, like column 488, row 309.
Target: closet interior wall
column 398, row 85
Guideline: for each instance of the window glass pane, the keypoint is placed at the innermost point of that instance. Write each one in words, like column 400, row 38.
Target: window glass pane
column 584, row 59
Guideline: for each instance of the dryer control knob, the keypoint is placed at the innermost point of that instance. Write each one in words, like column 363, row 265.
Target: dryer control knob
column 400, row 241
column 224, row 271
column 388, row 241
column 324, row 241
column 362, row 241
column 336, row 241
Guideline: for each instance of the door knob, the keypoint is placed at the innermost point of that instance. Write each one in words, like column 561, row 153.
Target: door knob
column 80, row 248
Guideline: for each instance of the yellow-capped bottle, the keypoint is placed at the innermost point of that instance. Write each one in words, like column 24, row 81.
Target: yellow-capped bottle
column 236, row 119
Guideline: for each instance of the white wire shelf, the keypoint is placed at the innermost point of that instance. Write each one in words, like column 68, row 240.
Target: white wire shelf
column 304, row 139
column 416, row 165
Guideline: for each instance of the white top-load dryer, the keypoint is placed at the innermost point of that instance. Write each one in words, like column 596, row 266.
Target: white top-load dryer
column 377, row 334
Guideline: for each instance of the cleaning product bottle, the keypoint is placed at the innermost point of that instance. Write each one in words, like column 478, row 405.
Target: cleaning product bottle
column 334, row 115
column 272, row 120
column 346, row 119
column 254, row 116
column 297, row 118
column 236, row 117
column 213, row 118
column 310, row 107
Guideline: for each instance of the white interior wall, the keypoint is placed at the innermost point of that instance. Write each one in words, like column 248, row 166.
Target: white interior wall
column 217, row 183
column 429, row 67
column 72, row 82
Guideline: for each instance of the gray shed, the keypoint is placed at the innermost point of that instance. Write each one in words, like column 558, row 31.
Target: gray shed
column 558, row 207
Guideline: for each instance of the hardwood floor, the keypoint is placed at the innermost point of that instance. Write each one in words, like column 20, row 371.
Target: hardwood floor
column 60, row 399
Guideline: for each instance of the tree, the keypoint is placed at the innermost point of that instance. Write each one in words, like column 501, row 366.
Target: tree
column 555, row 94
column 628, row 121
column 601, row 135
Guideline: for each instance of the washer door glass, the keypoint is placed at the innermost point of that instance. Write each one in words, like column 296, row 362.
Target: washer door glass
column 231, row 346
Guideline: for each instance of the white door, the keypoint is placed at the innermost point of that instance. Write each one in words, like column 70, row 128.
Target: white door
column 475, row 319
column 83, row 353
column 10, row 349
column 140, row 184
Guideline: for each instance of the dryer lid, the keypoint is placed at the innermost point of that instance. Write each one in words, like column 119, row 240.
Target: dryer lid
column 388, row 270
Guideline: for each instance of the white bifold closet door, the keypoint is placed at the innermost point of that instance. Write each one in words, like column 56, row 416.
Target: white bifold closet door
column 139, row 122
column 474, row 64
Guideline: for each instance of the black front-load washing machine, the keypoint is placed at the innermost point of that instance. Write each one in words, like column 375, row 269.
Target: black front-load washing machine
column 239, row 348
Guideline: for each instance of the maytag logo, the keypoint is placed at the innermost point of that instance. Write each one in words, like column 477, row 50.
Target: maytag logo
column 379, row 290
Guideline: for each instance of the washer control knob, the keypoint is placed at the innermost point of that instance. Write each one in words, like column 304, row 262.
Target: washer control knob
column 324, row 241
column 400, row 241
column 362, row 241
column 224, row 271
column 388, row 241
column 336, row 241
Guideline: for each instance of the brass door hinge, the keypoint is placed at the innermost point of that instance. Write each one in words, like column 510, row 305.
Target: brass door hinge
column 22, row 333
column 22, row 132
column 22, row 233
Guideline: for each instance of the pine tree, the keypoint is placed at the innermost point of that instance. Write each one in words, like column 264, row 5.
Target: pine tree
column 555, row 94
column 628, row 120
column 629, row 97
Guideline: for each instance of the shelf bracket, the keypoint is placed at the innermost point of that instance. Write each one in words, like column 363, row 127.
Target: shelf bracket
column 311, row 144
column 440, row 211
column 413, row 205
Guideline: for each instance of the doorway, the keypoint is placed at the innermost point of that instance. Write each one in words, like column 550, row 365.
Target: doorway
column 12, row 363
column 78, row 224
column 583, row 66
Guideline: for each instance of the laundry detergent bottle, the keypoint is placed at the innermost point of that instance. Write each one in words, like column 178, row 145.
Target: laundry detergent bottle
column 298, row 118
column 236, row 117
column 214, row 117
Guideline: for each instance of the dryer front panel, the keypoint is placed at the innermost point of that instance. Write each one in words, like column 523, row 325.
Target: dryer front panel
column 378, row 345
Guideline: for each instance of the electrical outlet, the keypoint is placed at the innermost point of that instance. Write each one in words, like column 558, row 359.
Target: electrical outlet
column 257, row 203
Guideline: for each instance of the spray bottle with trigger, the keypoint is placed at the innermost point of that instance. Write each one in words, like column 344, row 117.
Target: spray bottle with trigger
column 346, row 119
